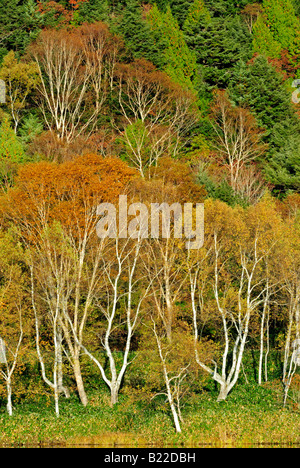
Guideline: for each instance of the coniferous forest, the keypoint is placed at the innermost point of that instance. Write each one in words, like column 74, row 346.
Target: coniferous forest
column 139, row 339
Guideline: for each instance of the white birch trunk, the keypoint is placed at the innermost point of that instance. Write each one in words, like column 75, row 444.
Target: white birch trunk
column 9, row 396
column 167, row 382
column 229, row 375
column 125, row 265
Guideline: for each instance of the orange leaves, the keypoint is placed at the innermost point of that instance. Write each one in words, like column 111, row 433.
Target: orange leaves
column 67, row 193
column 76, row 3
column 178, row 181
column 64, row 14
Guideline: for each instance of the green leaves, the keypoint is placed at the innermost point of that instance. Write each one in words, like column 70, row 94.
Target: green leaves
column 276, row 29
column 218, row 46
column 11, row 150
column 11, row 153
column 179, row 60
column 284, row 24
column 197, row 14
column 263, row 40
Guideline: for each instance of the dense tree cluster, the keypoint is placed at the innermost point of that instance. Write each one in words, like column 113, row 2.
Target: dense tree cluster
column 164, row 102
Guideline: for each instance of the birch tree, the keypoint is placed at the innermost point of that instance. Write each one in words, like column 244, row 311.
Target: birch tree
column 289, row 267
column 164, row 271
column 119, row 302
column 173, row 375
column 9, row 360
column 156, row 111
column 55, row 208
column 238, row 138
column 75, row 70
column 56, row 362
column 163, row 264
column 12, row 307
column 236, row 249
column 250, row 14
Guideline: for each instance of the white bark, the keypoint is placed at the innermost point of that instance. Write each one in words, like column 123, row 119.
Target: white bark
column 248, row 299
column 125, row 263
column 55, row 384
column 69, row 66
column 11, row 362
column 290, row 361
column 146, row 96
column 170, row 394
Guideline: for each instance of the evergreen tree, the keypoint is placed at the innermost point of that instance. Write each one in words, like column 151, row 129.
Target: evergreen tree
column 263, row 39
column 283, row 167
column 19, row 23
column 140, row 39
column 278, row 28
column 218, row 46
column 296, row 6
column 179, row 61
column 261, row 88
column 284, row 24
column 223, row 8
column 180, row 10
column 92, row 10
column 197, row 17
column 31, row 127
column 197, row 20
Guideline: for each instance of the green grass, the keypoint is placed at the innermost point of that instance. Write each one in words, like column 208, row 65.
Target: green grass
column 251, row 415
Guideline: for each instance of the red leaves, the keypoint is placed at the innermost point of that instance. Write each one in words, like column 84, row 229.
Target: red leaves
column 76, row 3
column 59, row 10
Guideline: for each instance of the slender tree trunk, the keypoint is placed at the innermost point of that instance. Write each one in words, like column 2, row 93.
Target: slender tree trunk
column 60, row 384
column 287, row 344
column 261, row 352
column 79, row 380
column 169, row 304
column 265, row 314
column 9, row 396
column 55, row 368
column 268, row 348
column 167, row 382
column 175, row 417
column 170, row 397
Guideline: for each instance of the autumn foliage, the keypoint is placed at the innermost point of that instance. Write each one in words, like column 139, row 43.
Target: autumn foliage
column 178, row 107
column 67, row 193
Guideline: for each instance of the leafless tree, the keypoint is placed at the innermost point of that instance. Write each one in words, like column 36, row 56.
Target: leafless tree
column 238, row 138
column 250, row 14
column 156, row 111
column 76, row 70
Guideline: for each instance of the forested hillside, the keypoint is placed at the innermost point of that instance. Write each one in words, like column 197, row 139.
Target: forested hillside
column 173, row 101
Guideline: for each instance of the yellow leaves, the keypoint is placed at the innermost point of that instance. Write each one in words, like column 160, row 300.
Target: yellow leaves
column 224, row 222
column 25, row 74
